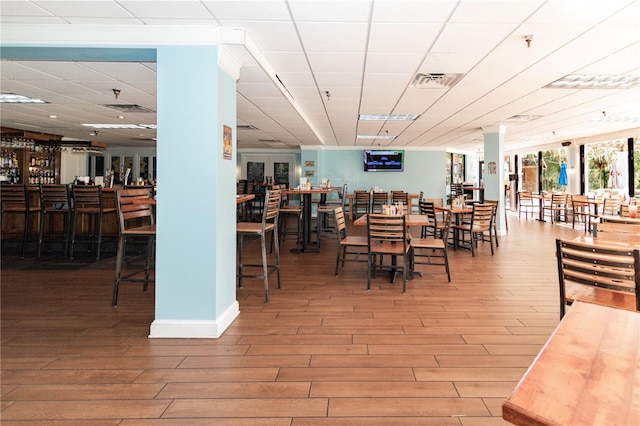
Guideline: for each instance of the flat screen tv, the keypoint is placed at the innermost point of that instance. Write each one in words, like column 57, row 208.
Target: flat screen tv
column 383, row 160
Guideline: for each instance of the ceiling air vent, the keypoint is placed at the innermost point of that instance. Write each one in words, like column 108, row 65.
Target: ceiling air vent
column 246, row 127
column 523, row 118
column 436, row 80
column 129, row 108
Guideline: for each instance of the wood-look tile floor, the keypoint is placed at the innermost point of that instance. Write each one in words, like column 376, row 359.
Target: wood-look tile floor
column 324, row 351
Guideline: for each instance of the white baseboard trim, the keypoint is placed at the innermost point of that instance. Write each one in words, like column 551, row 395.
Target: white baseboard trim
column 194, row 329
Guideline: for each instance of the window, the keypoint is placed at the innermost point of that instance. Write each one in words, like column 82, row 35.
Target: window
column 606, row 167
column 551, row 164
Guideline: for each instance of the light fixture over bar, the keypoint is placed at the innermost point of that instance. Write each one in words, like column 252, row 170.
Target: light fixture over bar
column 594, row 81
column 389, row 117
column 12, row 98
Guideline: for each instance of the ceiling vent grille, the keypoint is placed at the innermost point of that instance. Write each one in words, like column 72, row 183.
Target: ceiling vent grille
column 436, row 80
column 246, row 127
column 129, row 108
column 522, row 118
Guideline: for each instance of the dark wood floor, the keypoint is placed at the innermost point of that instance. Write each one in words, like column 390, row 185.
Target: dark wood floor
column 324, row 351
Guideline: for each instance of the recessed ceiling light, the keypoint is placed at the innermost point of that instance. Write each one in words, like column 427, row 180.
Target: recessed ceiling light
column 53, row 116
column 121, row 117
column 121, row 126
column 594, row 81
column 12, row 98
column 388, row 117
column 376, row 137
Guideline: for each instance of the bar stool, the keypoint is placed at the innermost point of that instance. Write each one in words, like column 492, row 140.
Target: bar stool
column 54, row 200
column 269, row 224
column 87, row 201
column 290, row 210
column 135, row 220
column 14, row 199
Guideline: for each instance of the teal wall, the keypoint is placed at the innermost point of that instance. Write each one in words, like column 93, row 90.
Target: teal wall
column 423, row 170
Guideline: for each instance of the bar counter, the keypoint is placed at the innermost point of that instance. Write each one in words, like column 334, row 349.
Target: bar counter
column 12, row 223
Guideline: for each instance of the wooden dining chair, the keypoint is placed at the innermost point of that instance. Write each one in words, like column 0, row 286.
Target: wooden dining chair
column 362, row 203
column 494, row 219
column 556, row 207
column 602, row 274
column 525, row 204
column 54, row 201
column 14, row 200
column 478, row 228
column 290, row 211
column 436, row 224
column 433, row 251
column 612, row 206
column 267, row 226
column 351, row 248
column 387, row 236
column 379, row 199
column 581, row 211
column 135, row 222
column 400, row 197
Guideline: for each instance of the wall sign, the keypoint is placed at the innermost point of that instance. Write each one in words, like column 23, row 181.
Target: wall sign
column 227, row 145
column 493, row 168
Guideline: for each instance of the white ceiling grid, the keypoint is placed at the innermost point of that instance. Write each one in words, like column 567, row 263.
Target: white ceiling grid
column 339, row 59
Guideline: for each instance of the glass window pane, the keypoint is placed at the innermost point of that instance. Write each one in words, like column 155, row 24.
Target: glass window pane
column 551, row 163
column 100, row 166
column 117, row 169
column 255, row 172
column 281, row 173
column 606, row 167
column 144, row 168
column 128, row 165
column 457, row 171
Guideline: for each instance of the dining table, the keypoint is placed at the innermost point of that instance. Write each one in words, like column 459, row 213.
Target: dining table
column 410, row 220
column 307, row 244
column 616, row 239
column 619, row 219
column 243, row 198
column 458, row 213
column 587, row 373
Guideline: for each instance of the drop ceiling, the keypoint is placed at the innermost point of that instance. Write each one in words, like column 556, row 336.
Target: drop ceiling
column 310, row 68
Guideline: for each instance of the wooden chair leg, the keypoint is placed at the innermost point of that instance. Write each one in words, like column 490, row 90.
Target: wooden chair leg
column 265, row 268
column 119, row 256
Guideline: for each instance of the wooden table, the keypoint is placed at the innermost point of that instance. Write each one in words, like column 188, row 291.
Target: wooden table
column 243, row 198
column 612, row 239
column 620, row 219
column 541, row 198
column 458, row 213
column 588, row 372
column 411, row 220
column 306, row 215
